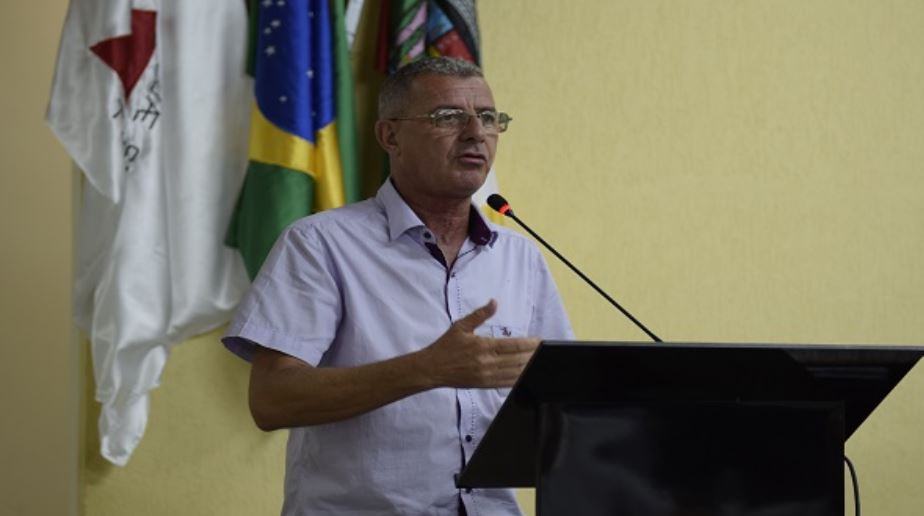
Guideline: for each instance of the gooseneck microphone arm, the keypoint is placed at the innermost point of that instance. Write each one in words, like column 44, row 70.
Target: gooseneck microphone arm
column 500, row 205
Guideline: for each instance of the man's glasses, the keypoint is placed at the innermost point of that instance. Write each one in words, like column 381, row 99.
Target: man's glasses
column 457, row 119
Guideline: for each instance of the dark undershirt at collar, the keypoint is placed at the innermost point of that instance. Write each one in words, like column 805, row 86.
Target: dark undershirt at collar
column 478, row 231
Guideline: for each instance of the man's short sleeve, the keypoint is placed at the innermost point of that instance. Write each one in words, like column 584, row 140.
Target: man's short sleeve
column 294, row 304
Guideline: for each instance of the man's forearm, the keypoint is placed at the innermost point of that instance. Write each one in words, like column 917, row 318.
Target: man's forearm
column 287, row 392
column 290, row 394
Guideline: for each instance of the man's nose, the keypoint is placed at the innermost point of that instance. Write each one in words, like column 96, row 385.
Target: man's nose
column 473, row 130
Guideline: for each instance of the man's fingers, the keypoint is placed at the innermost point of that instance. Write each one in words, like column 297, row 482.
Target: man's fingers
column 511, row 356
column 512, row 361
column 477, row 318
column 506, row 374
column 516, row 345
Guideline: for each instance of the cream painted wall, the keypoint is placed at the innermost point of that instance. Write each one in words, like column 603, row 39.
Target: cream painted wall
column 734, row 170
column 39, row 467
column 201, row 453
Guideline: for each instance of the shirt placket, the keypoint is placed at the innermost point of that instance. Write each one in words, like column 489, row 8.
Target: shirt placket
column 468, row 401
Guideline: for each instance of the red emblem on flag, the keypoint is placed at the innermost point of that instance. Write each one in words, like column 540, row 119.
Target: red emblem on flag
column 129, row 55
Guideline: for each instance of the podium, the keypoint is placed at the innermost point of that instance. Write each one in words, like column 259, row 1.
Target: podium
column 633, row 429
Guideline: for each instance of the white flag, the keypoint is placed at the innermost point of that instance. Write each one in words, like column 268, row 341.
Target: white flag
column 151, row 101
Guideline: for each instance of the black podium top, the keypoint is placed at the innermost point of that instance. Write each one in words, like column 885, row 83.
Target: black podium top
column 860, row 377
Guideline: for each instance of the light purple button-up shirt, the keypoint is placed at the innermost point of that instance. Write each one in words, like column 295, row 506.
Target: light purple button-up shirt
column 365, row 283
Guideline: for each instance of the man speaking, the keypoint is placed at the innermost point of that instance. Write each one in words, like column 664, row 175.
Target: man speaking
column 387, row 333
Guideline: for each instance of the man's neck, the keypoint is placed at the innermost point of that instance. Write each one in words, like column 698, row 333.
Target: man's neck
column 449, row 220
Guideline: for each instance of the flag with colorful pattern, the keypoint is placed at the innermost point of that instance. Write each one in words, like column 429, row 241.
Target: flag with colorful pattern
column 410, row 29
column 303, row 133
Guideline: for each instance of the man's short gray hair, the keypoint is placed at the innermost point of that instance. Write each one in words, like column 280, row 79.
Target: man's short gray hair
column 393, row 99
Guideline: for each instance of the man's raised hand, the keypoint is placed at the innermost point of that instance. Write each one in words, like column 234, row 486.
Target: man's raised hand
column 460, row 358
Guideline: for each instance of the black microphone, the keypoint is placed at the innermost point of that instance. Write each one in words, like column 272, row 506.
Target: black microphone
column 500, row 205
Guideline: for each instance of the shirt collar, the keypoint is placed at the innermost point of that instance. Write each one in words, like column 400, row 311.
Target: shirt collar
column 479, row 231
column 402, row 218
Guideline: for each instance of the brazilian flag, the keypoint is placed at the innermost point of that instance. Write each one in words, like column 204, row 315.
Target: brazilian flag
column 303, row 130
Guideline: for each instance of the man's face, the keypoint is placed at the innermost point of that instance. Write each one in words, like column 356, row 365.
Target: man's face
column 436, row 163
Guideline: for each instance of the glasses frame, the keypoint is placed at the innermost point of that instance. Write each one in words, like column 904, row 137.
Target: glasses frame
column 503, row 119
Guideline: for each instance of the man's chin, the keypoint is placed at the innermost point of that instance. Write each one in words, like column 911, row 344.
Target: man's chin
column 473, row 173
column 472, row 181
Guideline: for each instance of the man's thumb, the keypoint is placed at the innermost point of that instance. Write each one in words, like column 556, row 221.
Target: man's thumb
column 477, row 318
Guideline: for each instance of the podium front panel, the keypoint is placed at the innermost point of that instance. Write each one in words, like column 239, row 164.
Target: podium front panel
column 625, row 373
column 691, row 459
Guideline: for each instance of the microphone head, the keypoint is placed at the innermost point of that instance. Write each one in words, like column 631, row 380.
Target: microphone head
column 499, row 204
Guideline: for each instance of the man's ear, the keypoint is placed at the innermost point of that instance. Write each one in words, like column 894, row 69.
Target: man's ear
column 386, row 134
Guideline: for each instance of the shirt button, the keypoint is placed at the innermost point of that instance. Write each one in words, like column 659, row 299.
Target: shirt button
column 427, row 235
column 468, row 490
column 453, row 275
column 468, row 438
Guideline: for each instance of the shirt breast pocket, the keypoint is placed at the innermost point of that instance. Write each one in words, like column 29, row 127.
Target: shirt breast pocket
column 501, row 331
